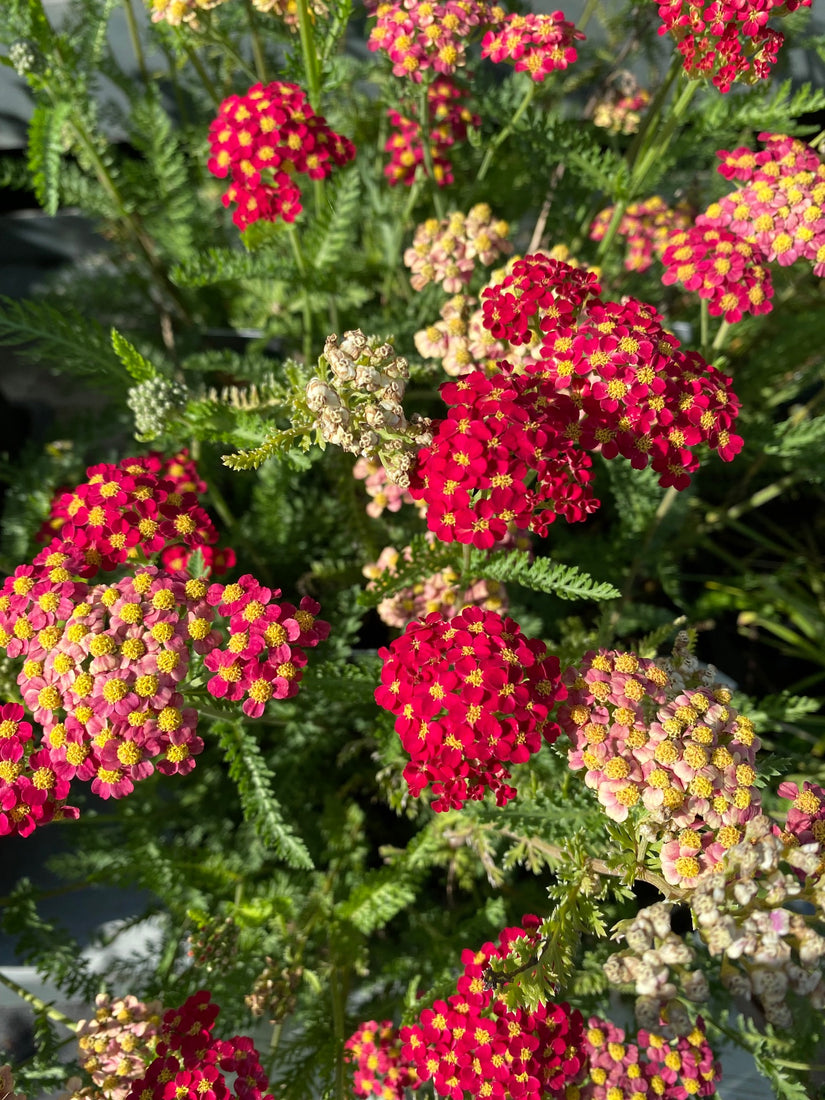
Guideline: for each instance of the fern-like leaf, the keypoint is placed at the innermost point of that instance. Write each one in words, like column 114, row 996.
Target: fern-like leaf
column 136, row 364
column 220, row 265
column 276, row 443
column 62, row 338
column 332, row 231
column 377, row 899
column 568, row 582
column 45, row 152
column 260, row 806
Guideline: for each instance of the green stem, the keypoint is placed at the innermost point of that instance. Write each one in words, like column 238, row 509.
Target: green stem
column 704, row 329
column 650, row 121
column 257, row 50
column 205, row 78
column 587, row 14
column 35, row 1002
column 721, row 337
column 338, row 1023
column 426, row 149
column 130, row 220
column 305, row 303
column 309, row 54
column 503, row 134
column 768, row 493
column 134, row 34
column 606, row 242
column 657, row 149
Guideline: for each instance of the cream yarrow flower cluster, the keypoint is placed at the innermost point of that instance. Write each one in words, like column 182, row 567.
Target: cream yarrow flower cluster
column 355, row 403
column 449, row 250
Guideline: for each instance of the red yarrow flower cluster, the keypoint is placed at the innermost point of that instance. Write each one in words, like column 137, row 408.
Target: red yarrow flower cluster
column 421, row 36
column 376, row 1051
column 472, row 1046
column 146, row 504
column 539, row 44
column 501, row 458
column 603, row 376
column 645, row 226
column 191, row 1063
column 781, row 208
column 720, row 267
column 727, row 41
column 668, row 1069
column 684, row 757
column 261, row 140
column 448, row 251
column 448, row 123
column 30, row 793
column 471, row 696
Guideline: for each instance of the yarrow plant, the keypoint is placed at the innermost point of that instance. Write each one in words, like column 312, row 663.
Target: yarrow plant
column 499, row 338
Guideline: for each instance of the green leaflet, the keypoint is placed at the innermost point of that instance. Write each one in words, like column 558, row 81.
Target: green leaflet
column 567, row 582
column 63, row 338
column 261, row 808
column 45, row 151
column 136, row 364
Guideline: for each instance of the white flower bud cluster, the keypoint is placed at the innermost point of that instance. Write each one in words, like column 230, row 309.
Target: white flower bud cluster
column 153, row 403
column 356, row 404
column 768, row 951
column 654, row 952
column 25, row 57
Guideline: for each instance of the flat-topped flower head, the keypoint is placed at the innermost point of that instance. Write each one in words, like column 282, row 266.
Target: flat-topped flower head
column 471, row 694
column 261, row 140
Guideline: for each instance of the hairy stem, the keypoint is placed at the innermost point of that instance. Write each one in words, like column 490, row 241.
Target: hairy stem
column 504, row 133
column 37, row 1003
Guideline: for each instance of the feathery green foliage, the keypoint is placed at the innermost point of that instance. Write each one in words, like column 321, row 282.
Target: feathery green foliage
column 261, row 808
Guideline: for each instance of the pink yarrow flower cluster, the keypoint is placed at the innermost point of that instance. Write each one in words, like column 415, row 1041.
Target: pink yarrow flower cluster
column 379, row 1070
column 449, row 120
column 115, row 1046
column 261, row 140
column 605, row 377
column 104, row 665
column 449, row 251
column 384, row 494
column 673, row 1069
column 471, row 696
column 538, row 44
column 727, row 272
column 190, row 1063
column 805, row 820
column 472, row 1046
column 437, row 593
column 781, row 208
column 645, row 226
column 621, row 114
column 683, row 756
column 421, row 36
column 727, row 41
